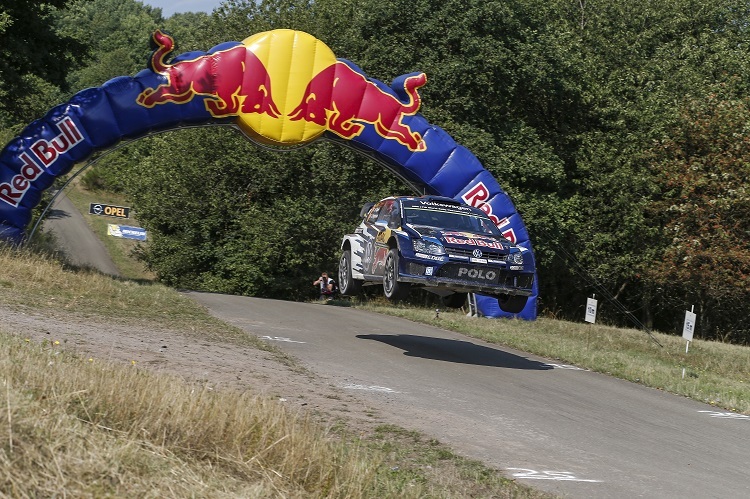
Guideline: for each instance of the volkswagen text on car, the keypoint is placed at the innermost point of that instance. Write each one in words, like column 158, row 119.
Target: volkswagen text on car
column 438, row 243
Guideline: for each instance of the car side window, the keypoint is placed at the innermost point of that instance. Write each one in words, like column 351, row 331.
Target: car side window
column 385, row 212
column 394, row 221
column 374, row 214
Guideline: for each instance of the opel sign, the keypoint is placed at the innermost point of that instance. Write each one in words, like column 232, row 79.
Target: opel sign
column 109, row 210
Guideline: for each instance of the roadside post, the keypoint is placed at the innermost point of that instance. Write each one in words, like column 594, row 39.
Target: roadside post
column 590, row 316
column 688, row 328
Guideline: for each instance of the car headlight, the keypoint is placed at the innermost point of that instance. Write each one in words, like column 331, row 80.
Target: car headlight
column 516, row 258
column 422, row 246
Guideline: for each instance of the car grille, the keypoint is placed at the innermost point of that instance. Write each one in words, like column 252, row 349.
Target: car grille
column 466, row 254
column 523, row 281
column 416, row 268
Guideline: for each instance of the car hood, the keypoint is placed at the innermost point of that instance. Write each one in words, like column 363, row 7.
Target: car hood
column 465, row 239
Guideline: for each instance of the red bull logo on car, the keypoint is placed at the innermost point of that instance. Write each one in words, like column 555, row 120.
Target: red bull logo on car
column 314, row 91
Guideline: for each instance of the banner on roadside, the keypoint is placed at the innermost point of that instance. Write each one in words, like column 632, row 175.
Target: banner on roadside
column 126, row 232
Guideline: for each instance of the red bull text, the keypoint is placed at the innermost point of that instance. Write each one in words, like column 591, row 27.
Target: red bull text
column 46, row 152
column 477, row 196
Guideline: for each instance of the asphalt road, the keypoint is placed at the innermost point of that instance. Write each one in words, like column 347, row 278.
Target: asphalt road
column 75, row 238
column 561, row 429
column 557, row 428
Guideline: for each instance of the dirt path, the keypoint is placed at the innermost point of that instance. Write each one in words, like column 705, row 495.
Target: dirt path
column 216, row 364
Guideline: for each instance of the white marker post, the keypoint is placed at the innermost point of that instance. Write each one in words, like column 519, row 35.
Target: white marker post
column 687, row 331
column 591, row 309
column 590, row 316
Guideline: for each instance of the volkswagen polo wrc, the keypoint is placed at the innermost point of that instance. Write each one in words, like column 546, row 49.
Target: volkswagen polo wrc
column 438, row 243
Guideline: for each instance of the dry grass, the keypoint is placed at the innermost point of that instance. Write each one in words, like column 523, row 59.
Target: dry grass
column 89, row 430
column 715, row 373
column 76, row 427
column 41, row 282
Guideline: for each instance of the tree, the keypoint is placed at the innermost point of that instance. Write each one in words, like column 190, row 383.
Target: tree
column 34, row 60
column 562, row 101
column 116, row 35
column 702, row 168
column 241, row 219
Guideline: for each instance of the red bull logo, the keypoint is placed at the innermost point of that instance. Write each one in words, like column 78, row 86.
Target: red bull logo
column 233, row 81
column 474, row 242
column 342, row 99
column 313, row 91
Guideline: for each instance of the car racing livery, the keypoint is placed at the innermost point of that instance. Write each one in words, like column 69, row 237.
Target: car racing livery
column 438, row 243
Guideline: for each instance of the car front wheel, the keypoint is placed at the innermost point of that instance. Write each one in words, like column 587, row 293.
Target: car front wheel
column 393, row 289
column 347, row 284
column 512, row 304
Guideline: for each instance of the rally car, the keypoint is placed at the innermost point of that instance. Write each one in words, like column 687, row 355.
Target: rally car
column 438, row 243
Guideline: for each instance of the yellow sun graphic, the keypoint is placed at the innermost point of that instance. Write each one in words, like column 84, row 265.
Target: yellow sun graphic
column 292, row 58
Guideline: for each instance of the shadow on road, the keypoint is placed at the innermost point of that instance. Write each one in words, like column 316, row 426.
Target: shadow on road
column 56, row 214
column 462, row 352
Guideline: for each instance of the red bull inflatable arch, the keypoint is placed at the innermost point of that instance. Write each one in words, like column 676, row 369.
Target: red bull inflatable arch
column 281, row 88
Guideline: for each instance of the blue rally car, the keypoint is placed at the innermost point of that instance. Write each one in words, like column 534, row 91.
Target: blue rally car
column 438, row 243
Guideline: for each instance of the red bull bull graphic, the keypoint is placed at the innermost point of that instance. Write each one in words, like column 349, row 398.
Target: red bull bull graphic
column 342, row 100
column 232, row 81
column 280, row 87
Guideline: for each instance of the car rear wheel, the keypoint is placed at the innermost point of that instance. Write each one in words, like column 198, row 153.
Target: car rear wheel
column 347, row 284
column 512, row 304
column 456, row 300
column 393, row 289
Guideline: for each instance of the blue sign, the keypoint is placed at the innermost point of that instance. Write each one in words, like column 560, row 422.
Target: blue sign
column 127, row 232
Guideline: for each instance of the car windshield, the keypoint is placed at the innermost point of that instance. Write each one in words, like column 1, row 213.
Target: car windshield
column 444, row 219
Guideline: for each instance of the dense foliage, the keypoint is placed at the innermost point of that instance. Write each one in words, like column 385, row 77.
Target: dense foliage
column 34, row 60
column 619, row 129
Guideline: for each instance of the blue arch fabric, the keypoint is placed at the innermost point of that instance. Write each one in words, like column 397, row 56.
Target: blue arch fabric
column 99, row 118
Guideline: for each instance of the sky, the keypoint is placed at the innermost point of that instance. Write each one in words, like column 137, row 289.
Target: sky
column 169, row 7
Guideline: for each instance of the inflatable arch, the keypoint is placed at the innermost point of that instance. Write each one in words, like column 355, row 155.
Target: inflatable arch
column 281, row 88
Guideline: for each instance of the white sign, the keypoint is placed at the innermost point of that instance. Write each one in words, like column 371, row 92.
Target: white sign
column 689, row 327
column 590, row 310
column 126, row 232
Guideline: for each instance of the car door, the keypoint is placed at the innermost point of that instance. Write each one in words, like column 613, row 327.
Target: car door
column 383, row 233
column 368, row 231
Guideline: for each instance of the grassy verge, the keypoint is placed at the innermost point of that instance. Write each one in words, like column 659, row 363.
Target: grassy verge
column 84, row 428
column 715, row 373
